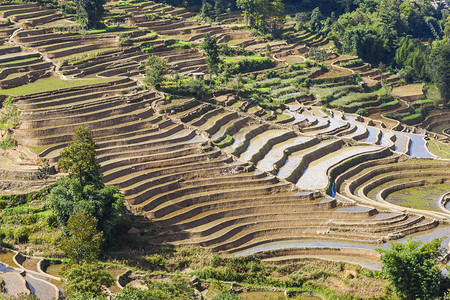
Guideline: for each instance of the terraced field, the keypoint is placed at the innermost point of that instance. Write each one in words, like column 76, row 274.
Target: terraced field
column 228, row 175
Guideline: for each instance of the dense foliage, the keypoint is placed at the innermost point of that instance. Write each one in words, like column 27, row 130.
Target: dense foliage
column 264, row 15
column 83, row 189
column 157, row 67
column 178, row 288
column 86, row 280
column 89, row 12
column 440, row 70
column 412, row 269
column 212, row 53
column 82, row 241
column 80, row 159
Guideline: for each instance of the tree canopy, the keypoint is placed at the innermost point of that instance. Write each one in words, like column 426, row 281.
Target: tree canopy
column 90, row 12
column 412, row 269
column 440, row 70
column 212, row 53
column 156, row 69
column 87, row 280
column 79, row 157
column 82, row 241
column 83, row 189
column 264, row 15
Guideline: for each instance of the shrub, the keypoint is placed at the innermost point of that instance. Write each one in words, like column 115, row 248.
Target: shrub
column 156, row 261
column 21, row 235
column 249, row 64
column 7, row 143
column 362, row 112
column 354, row 63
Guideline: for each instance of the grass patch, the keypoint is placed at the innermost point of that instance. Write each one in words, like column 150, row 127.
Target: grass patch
column 282, row 117
column 422, row 197
column 381, row 91
column 38, row 149
column 50, row 84
column 439, row 149
column 227, row 141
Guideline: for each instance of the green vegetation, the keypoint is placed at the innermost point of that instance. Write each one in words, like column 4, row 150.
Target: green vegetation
column 83, row 189
column 422, row 197
column 179, row 288
column 7, row 143
column 79, row 157
column 439, row 149
column 156, row 69
column 212, row 54
column 89, row 13
column 86, row 280
column 27, row 218
column 227, row 141
column 9, row 114
column 247, row 64
column 264, row 15
column 413, row 270
column 51, row 83
column 82, row 241
column 440, row 70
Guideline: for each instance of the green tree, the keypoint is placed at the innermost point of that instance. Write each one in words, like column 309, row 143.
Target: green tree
column 264, row 15
column 316, row 20
column 81, row 241
column 87, row 280
column 84, row 189
column 412, row 269
column 212, row 54
column 157, row 68
column 79, row 157
column 89, row 12
column 206, row 10
column 447, row 29
column 440, row 70
column 105, row 203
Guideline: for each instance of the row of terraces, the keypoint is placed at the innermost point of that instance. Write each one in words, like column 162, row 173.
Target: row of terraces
column 29, row 15
column 303, row 36
column 149, row 7
column 170, row 21
column 197, row 193
column 59, row 45
column 131, row 62
column 369, row 74
column 375, row 183
column 300, row 149
column 18, row 67
column 438, row 122
column 16, row 284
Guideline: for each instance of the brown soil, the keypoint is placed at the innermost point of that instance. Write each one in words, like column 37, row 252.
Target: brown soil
column 31, row 264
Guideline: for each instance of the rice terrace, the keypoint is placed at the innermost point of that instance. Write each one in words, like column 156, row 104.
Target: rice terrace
column 224, row 149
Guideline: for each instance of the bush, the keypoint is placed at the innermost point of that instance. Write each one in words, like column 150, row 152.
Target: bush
column 7, row 143
column 354, row 63
column 21, row 235
column 156, row 261
column 249, row 64
column 362, row 112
